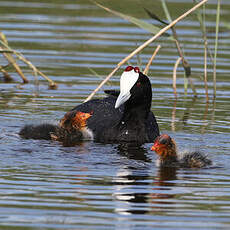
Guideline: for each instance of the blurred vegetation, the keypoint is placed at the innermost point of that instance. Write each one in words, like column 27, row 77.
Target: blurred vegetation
column 154, row 29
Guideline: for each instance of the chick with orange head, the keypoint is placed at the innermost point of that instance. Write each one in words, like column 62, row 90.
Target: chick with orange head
column 165, row 148
column 73, row 128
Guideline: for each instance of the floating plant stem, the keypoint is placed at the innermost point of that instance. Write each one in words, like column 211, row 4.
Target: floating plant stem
column 11, row 60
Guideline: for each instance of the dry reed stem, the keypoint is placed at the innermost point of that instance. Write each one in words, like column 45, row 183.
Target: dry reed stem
column 144, row 45
column 12, row 61
column 35, row 70
column 151, row 60
column 163, row 31
column 52, row 85
column 174, row 74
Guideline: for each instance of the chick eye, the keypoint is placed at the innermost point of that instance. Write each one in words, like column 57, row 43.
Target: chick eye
column 137, row 70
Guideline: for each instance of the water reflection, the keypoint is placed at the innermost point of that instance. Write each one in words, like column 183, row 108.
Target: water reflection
column 136, row 189
column 163, row 184
column 133, row 151
column 188, row 114
column 166, row 174
column 187, row 111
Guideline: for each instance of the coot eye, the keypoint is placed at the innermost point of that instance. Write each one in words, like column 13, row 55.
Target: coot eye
column 129, row 68
column 137, row 70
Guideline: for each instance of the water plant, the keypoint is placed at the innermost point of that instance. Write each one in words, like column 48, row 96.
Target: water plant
column 8, row 53
column 181, row 58
column 143, row 25
column 216, row 47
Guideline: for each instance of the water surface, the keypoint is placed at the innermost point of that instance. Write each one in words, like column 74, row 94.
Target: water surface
column 44, row 185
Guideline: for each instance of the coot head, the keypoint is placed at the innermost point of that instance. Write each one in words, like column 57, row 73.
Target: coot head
column 135, row 88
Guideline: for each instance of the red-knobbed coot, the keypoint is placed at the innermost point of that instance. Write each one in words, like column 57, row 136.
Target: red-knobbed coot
column 124, row 116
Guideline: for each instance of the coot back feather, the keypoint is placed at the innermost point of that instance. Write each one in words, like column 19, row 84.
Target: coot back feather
column 124, row 116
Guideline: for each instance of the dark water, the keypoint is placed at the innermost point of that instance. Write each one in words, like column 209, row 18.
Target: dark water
column 44, row 185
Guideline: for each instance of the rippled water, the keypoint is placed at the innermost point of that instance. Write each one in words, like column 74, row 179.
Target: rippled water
column 44, row 185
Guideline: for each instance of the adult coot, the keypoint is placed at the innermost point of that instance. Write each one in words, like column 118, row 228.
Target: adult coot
column 124, row 116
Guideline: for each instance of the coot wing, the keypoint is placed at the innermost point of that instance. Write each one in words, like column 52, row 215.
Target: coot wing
column 105, row 116
column 152, row 128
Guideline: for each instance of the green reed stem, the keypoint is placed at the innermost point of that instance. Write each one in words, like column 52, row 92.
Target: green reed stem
column 202, row 20
column 185, row 63
column 216, row 47
column 205, row 52
column 203, row 28
column 165, row 8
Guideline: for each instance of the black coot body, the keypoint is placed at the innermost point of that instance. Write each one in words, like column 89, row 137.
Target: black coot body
column 123, row 116
column 131, row 120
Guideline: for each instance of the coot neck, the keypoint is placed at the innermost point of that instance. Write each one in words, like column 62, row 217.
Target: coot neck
column 135, row 112
column 139, row 104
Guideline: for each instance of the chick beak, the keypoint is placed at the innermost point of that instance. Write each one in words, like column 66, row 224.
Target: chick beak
column 87, row 116
column 155, row 146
